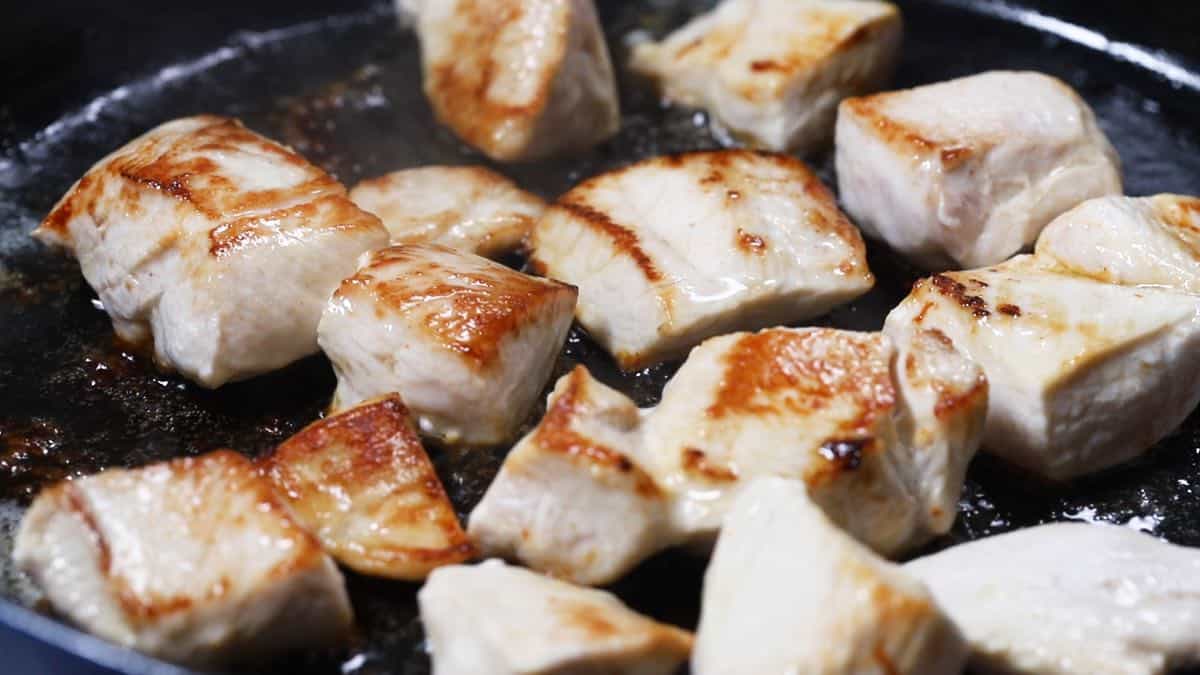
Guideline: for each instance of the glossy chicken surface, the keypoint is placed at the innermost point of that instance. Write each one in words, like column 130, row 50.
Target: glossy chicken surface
column 772, row 72
column 212, row 245
column 1084, row 374
column 493, row 619
column 1071, row 599
column 596, row 488
column 467, row 208
column 518, row 79
column 676, row 249
column 1132, row 241
column 966, row 173
column 788, row 592
column 362, row 483
column 466, row 342
column 196, row 561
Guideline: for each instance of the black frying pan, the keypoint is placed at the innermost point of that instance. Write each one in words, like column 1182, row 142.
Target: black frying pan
column 341, row 83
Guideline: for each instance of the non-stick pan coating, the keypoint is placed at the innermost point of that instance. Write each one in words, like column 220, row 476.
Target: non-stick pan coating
column 345, row 91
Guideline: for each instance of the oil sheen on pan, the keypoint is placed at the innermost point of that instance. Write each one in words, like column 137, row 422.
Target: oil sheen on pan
column 346, row 93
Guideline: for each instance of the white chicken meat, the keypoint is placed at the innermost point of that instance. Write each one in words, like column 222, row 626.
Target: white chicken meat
column 466, row 342
column 195, row 561
column 1083, row 374
column 571, row 499
column 966, row 173
column 772, row 72
column 467, row 208
column 1131, row 241
column 879, row 433
column 213, row 243
column 675, row 249
column 1071, row 599
column 518, row 79
column 493, row 619
column 789, row 592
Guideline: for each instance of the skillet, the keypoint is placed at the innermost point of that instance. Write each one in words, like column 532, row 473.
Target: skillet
column 341, row 83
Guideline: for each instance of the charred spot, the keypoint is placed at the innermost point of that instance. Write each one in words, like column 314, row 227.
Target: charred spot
column 766, row 65
column 958, row 292
column 750, row 242
column 1009, row 309
column 952, row 157
column 845, row 453
column 696, row 462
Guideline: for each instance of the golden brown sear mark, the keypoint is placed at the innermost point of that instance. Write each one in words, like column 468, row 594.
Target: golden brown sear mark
column 623, row 238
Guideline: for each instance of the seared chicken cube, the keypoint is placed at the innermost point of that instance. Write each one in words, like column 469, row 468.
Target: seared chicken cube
column 1130, row 241
column 1083, row 374
column 966, row 173
column 772, row 72
column 492, row 619
column 195, row 561
column 519, row 79
column 1071, row 599
column 676, row 249
column 215, row 243
column 788, row 592
column 466, row 342
column 571, row 499
column 362, row 483
column 884, row 458
column 467, row 208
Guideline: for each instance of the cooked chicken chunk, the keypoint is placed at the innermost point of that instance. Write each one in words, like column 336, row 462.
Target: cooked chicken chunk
column 518, row 79
column 215, row 243
column 594, row 490
column 468, row 208
column 468, row 343
column 788, row 592
column 492, row 619
column 1130, row 241
column 194, row 561
column 1071, row 599
column 1083, row 374
column 571, row 499
column 675, row 249
column 362, row 483
column 968, row 172
column 882, row 448
column 773, row 71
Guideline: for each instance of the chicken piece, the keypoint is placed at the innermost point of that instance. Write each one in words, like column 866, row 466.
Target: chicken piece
column 467, row 343
column 882, row 449
column 519, row 79
column 215, row 243
column 361, row 482
column 968, row 172
column 1129, row 241
column 571, row 499
column 194, row 561
column 676, row 249
column 1071, row 599
column 772, row 72
column 1083, row 374
column 788, row 592
column 467, row 208
column 492, row 619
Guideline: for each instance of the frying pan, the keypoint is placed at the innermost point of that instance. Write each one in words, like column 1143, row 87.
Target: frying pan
column 341, row 83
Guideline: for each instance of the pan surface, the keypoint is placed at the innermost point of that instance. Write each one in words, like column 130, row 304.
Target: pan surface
column 344, row 90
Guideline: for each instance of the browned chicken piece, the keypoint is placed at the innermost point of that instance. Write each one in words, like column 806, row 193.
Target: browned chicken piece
column 518, row 79
column 467, row 342
column 468, row 208
column 361, row 481
column 196, row 561
column 215, row 244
